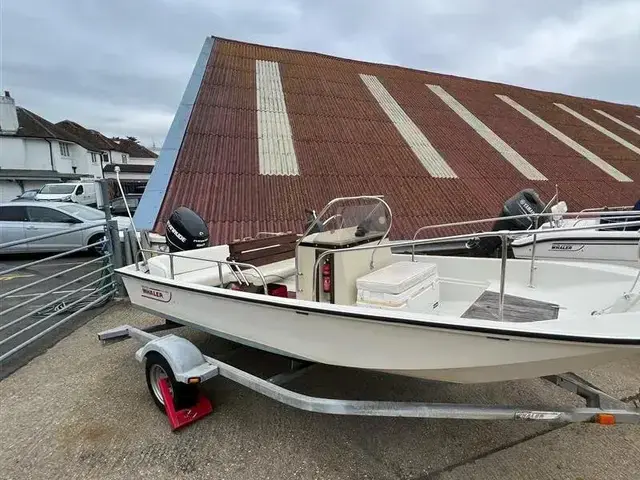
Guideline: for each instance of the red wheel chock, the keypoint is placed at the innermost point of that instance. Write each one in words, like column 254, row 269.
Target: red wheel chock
column 180, row 418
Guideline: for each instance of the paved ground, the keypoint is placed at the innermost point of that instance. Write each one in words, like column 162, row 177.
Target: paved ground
column 82, row 410
column 66, row 283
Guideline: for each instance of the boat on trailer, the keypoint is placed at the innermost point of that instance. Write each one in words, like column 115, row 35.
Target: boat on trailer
column 338, row 295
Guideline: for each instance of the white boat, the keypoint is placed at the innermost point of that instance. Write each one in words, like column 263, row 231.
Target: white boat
column 337, row 295
column 601, row 243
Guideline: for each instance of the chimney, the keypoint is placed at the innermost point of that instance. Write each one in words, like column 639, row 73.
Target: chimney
column 8, row 115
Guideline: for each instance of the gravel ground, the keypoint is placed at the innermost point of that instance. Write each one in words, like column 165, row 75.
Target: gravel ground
column 82, row 410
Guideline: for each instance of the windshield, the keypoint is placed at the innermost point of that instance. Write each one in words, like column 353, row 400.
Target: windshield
column 82, row 211
column 62, row 188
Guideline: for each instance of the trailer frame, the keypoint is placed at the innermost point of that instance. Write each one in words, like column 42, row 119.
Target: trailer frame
column 191, row 367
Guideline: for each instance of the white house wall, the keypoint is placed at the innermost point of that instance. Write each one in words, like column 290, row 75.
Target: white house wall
column 12, row 153
column 38, row 154
column 128, row 176
column 141, row 161
column 21, row 153
column 9, row 190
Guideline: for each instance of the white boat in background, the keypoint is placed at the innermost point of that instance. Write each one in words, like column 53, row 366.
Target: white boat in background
column 602, row 243
column 338, row 295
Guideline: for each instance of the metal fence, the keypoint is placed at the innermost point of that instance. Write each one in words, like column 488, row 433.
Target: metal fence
column 65, row 285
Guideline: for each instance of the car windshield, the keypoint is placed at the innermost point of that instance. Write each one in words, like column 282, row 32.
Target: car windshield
column 63, row 188
column 82, row 211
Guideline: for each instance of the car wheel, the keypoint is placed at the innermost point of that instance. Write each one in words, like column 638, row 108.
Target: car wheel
column 97, row 249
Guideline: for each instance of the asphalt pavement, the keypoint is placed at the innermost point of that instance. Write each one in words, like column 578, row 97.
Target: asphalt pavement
column 43, row 302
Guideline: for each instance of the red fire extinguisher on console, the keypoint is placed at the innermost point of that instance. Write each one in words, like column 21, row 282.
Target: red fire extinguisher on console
column 326, row 278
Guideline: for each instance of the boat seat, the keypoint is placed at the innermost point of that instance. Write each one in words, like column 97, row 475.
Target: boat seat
column 264, row 251
column 273, row 273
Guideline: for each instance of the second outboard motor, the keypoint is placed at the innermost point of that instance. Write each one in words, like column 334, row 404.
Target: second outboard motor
column 522, row 203
column 186, row 230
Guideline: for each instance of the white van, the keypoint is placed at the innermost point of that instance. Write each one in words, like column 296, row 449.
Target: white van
column 78, row 192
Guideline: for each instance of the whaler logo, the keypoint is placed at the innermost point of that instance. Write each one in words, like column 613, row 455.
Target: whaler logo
column 565, row 246
column 155, row 294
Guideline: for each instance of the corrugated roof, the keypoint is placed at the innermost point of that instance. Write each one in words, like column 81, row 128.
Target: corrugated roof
column 362, row 128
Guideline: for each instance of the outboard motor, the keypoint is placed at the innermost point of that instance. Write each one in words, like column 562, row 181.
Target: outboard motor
column 186, row 230
column 522, row 203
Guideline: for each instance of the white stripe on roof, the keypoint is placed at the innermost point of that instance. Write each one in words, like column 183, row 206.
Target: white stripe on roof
column 422, row 148
column 504, row 149
column 589, row 155
column 276, row 153
column 600, row 128
column 618, row 121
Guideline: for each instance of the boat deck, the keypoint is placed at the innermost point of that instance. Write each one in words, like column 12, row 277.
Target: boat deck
column 516, row 309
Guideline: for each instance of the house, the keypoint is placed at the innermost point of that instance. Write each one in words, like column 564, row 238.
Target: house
column 262, row 133
column 135, row 162
column 34, row 151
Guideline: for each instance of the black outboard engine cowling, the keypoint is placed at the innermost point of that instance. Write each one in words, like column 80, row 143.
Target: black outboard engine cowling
column 522, row 203
column 186, row 230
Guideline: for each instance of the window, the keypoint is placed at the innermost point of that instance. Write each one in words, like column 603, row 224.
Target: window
column 13, row 214
column 124, row 158
column 105, row 158
column 95, row 157
column 58, row 189
column 82, row 211
column 50, row 215
column 79, row 190
column 64, row 149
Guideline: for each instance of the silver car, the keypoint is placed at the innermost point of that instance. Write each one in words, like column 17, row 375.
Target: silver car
column 28, row 219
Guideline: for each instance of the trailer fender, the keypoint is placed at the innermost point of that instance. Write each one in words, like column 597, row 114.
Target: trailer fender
column 185, row 359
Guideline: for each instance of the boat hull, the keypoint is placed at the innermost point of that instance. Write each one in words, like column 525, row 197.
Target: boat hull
column 620, row 248
column 434, row 353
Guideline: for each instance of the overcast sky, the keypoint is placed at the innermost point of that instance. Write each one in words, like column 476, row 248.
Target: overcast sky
column 120, row 66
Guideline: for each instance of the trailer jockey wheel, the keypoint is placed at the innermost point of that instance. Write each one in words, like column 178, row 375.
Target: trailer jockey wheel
column 156, row 368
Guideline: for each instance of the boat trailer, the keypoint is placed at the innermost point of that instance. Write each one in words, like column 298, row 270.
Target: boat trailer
column 175, row 367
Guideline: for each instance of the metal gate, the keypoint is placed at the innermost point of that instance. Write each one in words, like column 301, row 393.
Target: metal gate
column 39, row 296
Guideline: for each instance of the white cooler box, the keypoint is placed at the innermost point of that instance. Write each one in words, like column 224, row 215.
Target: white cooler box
column 401, row 286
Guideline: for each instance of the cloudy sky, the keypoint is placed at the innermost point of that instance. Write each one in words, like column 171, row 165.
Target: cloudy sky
column 120, row 66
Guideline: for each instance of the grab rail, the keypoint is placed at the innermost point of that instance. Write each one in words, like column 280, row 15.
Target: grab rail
column 218, row 262
column 536, row 217
column 503, row 234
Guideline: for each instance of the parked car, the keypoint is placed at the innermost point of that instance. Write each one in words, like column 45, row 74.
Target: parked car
column 118, row 207
column 83, row 193
column 25, row 220
column 26, row 195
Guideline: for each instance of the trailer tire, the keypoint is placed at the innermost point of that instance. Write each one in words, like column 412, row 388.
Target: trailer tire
column 157, row 367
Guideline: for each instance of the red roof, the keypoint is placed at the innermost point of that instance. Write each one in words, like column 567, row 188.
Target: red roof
column 345, row 144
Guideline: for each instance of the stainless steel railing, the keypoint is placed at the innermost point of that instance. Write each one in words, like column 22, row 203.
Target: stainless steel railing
column 503, row 234
column 238, row 274
column 534, row 232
